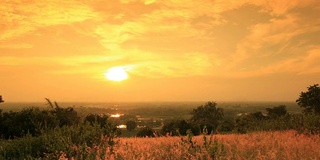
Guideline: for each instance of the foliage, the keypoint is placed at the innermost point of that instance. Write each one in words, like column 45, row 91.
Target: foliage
column 302, row 123
column 226, row 126
column 49, row 133
column 310, row 100
column 1, row 100
column 146, row 132
column 178, row 127
column 308, row 124
column 32, row 120
column 207, row 115
column 277, row 111
column 131, row 125
column 102, row 120
column 66, row 116
column 73, row 141
column 257, row 116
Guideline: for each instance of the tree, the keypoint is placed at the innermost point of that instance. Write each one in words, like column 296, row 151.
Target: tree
column 277, row 111
column 1, row 100
column 145, row 132
column 131, row 125
column 102, row 120
column 169, row 128
column 310, row 100
column 27, row 121
column 257, row 115
column 66, row 116
column 178, row 127
column 207, row 115
column 226, row 126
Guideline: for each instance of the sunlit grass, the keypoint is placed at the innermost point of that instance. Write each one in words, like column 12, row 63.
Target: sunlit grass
column 260, row 145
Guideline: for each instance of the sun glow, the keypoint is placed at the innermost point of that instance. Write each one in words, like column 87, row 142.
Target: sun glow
column 116, row 74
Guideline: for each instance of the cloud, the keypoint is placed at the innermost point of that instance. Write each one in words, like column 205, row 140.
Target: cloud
column 16, row 46
column 276, row 43
column 176, row 28
column 160, row 66
column 112, row 36
column 303, row 64
column 168, row 38
column 18, row 18
column 278, row 8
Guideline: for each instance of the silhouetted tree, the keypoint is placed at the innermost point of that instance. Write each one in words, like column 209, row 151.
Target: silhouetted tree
column 1, row 100
column 207, row 115
column 131, row 125
column 30, row 120
column 178, row 127
column 310, row 100
column 257, row 115
column 145, row 132
column 66, row 116
column 102, row 120
column 277, row 111
column 183, row 126
column 226, row 126
column 169, row 128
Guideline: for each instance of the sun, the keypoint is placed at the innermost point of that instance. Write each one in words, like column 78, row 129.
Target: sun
column 116, row 74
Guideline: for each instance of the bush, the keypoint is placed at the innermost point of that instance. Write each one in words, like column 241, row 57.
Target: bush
column 27, row 121
column 179, row 127
column 102, row 120
column 303, row 123
column 73, row 141
column 66, row 116
column 145, row 132
column 131, row 125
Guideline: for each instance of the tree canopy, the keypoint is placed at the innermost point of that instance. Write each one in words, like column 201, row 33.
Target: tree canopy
column 310, row 100
column 1, row 100
column 277, row 111
column 131, row 125
column 207, row 115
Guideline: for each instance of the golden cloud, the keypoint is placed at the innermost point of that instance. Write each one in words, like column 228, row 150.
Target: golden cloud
column 17, row 18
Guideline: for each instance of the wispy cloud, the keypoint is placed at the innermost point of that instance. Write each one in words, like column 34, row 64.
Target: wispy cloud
column 172, row 38
column 15, row 46
column 271, row 47
column 18, row 18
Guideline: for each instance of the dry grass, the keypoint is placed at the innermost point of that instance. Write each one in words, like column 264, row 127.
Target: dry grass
column 261, row 145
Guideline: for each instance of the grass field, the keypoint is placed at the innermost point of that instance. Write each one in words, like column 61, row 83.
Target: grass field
column 260, row 145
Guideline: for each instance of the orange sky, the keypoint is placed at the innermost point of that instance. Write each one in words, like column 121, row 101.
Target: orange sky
column 204, row 50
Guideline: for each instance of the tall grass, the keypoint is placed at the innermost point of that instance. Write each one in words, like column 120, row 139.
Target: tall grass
column 88, row 143
column 261, row 145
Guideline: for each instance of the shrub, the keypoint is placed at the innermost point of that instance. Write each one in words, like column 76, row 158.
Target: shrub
column 73, row 141
column 102, row 120
column 131, row 125
column 145, row 132
column 27, row 121
column 178, row 127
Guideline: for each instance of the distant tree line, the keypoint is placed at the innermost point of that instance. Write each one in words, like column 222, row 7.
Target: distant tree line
column 211, row 117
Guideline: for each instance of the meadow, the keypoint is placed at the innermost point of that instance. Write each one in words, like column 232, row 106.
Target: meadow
column 259, row 145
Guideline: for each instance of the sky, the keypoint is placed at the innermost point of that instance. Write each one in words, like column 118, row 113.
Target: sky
column 171, row 50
